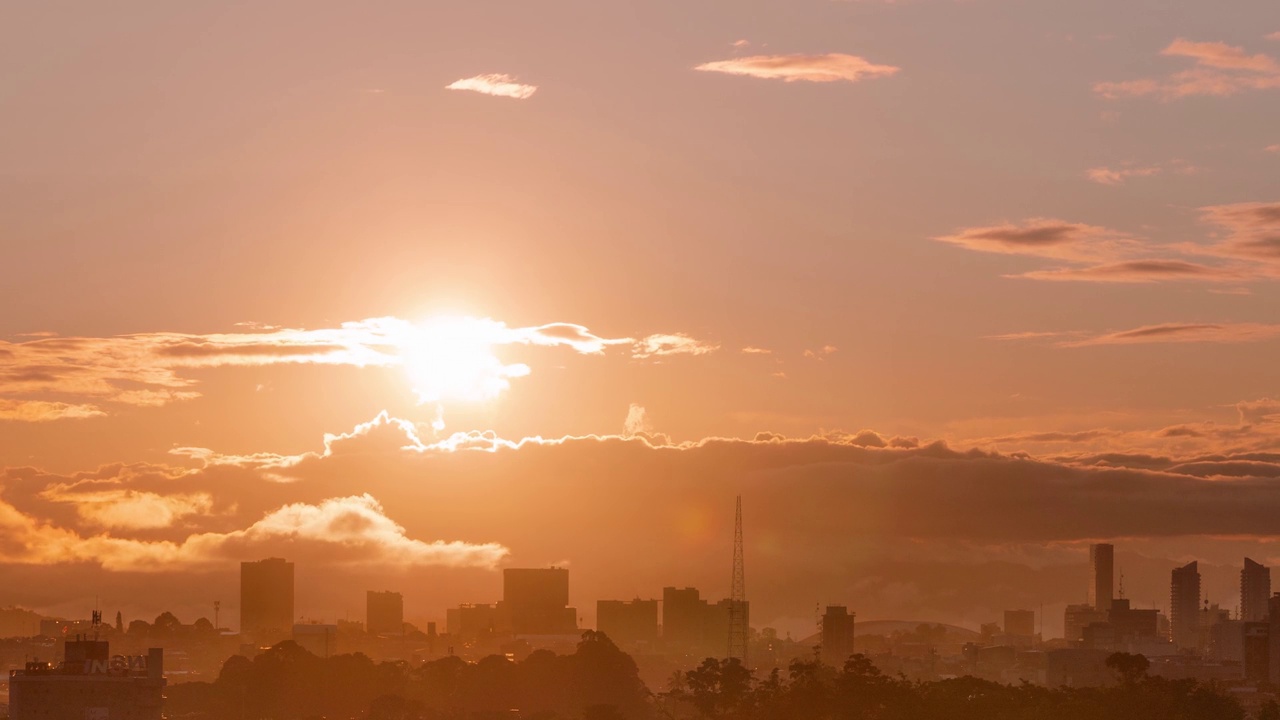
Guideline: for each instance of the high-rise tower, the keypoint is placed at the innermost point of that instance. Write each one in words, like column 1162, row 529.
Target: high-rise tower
column 738, row 595
column 1184, row 606
column 1102, row 563
column 1255, row 591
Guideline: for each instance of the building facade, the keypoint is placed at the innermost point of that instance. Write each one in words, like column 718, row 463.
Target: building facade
column 1184, row 606
column 266, row 599
column 1102, row 565
column 90, row 684
column 837, row 635
column 1255, row 591
column 535, row 601
column 384, row 613
column 628, row 621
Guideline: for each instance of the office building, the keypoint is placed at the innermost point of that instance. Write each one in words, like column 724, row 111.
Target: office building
column 1102, row 576
column 535, row 601
column 266, row 599
column 384, row 613
column 90, row 684
column 1255, row 591
column 1257, row 651
column 472, row 621
column 1077, row 618
column 628, row 622
column 1131, row 624
column 837, row 635
column 683, row 615
column 1020, row 623
column 1184, row 606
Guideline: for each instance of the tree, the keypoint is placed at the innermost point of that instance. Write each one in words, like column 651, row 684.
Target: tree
column 1131, row 668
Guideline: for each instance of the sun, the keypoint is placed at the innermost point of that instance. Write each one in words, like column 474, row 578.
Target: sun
column 452, row 359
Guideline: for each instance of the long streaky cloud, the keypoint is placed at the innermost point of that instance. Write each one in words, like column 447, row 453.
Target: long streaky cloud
column 496, row 84
column 48, row 378
column 830, row 67
column 1183, row 333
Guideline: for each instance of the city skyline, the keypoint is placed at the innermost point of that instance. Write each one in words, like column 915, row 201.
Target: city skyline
column 414, row 294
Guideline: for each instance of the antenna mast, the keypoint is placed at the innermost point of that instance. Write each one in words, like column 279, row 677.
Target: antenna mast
column 738, row 596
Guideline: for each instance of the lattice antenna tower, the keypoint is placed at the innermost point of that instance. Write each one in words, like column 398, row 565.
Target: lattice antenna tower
column 738, row 595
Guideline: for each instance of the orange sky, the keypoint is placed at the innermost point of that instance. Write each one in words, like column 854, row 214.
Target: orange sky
column 1013, row 239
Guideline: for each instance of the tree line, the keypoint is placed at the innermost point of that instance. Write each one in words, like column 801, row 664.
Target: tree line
column 600, row 682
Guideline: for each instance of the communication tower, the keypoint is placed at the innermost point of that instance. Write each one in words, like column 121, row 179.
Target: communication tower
column 738, row 596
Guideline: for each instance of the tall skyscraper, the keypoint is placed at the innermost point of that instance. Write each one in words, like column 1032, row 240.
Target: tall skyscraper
column 1255, row 591
column 266, row 598
column 384, row 613
column 837, row 635
column 1184, row 606
column 1102, row 577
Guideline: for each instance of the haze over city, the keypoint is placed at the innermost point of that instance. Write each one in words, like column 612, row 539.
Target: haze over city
column 413, row 293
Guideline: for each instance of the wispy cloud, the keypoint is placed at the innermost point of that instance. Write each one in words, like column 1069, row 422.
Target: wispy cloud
column 1219, row 69
column 662, row 345
column 753, row 350
column 1183, row 333
column 1119, row 175
column 1253, row 230
column 831, row 67
column 1139, row 271
column 496, row 84
column 52, row 378
column 1045, row 238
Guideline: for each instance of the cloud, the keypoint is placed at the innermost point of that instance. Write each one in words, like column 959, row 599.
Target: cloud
column 662, row 345
column 1102, row 255
column 496, row 84
column 336, row 532
column 130, row 509
column 1183, row 333
column 1044, row 238
column 753, row 350
column 831, row 67
column 821, row 353
column 1140, row 271
column 43, row 411
column 1273, row 148
column 1253, row 230
column 1118, row 176
column 1253, row 412
column 1219, row 70
column 447, row 359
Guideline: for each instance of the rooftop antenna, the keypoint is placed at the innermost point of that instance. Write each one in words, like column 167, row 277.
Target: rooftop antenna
column 1121, row 591
column 738, row 595
column 217, row 607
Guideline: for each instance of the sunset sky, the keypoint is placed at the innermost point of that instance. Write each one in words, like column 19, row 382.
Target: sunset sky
column 412, row 291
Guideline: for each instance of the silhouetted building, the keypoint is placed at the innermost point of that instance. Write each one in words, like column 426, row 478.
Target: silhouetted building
column 90, row 684
column 535, row 601
column 716, row 622
column 472, row 621
column 1020, row 623
column 683, row 615
column 1102, row 576
column 319, row 640
column 1255, row 591
column 1273, row 619
column 1184, row 606
column 1076, row 618
column 384, row 613
column 627, row 622
column 1131, row 624
column 266, row 599
column 1257, row 651
column 837, row 635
